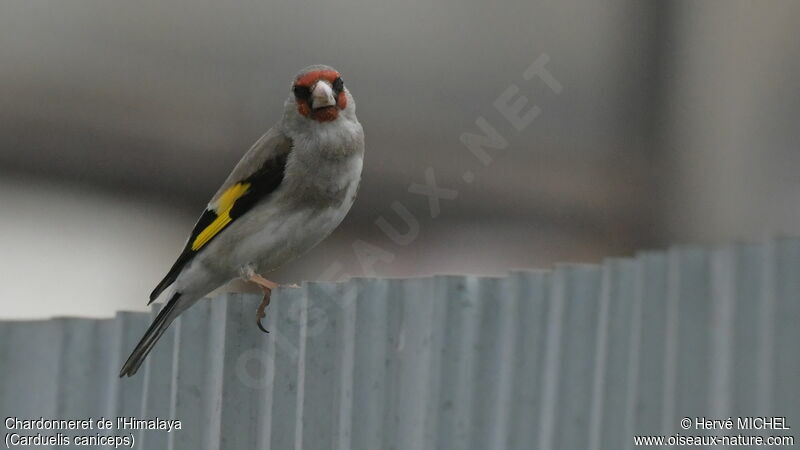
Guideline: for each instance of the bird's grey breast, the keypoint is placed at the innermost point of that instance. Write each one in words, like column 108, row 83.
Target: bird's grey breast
column 324, row 167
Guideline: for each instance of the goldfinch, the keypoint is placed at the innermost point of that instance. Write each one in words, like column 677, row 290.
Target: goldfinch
column 289, row 191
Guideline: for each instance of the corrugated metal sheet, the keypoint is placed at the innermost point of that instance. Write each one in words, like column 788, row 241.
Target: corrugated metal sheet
column 581, row 357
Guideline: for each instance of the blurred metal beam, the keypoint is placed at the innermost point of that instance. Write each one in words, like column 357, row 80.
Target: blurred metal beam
column 580, row 357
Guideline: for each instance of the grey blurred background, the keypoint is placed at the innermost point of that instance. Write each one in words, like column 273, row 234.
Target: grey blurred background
column 677, row 123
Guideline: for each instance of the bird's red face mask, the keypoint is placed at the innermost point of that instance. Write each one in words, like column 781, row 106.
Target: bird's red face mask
column 320, row 95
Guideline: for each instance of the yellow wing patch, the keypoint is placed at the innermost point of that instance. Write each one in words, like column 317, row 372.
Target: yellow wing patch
column 223, row 210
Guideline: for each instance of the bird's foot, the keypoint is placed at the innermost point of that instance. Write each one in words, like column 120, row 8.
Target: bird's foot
column 267, row 286
column 260, row 312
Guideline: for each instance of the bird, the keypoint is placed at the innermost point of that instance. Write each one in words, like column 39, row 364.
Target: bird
column 288, row 192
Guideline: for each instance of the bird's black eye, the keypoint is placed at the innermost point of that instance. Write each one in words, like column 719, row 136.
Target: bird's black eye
column 338, row 85
column 301, row 92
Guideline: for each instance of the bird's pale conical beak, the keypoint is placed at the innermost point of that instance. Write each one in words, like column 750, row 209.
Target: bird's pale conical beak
column 322, row 95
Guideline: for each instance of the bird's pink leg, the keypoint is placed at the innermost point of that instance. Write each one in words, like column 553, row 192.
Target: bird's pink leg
column 267, row 286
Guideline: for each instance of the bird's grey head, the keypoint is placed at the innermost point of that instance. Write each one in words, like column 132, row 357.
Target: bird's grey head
column 319, row 94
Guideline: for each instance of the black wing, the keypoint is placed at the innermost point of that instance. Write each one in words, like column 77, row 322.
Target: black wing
column 229, row 204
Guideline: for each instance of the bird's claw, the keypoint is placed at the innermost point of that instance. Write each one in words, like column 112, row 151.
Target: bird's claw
column 261, row 327
column 260, row 312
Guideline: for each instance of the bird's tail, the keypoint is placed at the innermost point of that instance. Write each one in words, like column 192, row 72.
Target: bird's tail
column 151, row 336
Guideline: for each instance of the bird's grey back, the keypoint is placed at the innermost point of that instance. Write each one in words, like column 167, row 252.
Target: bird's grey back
column 272, row 144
